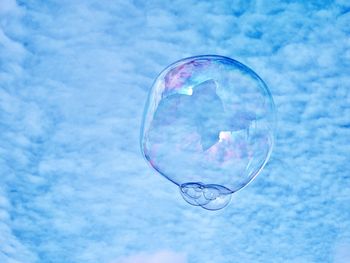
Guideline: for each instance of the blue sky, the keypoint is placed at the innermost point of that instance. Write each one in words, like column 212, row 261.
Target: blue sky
column 74, row 76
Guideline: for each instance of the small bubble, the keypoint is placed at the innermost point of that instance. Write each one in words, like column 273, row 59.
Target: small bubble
column 211, row 193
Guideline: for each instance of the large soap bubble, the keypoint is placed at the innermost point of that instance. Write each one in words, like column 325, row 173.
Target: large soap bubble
column 208, row 127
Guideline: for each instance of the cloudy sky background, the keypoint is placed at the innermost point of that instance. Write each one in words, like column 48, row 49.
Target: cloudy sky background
column 74, row 76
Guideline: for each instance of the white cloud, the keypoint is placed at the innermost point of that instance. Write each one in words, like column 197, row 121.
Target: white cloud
column 7, row 6
column 157, row 257
column 342, row 253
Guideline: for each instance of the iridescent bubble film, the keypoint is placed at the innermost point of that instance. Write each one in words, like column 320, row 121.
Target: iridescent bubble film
column 208, row 127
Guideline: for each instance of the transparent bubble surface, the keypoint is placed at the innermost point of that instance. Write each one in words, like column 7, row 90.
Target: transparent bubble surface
column 208, row 127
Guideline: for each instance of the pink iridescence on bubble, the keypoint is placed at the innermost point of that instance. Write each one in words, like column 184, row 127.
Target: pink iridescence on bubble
column 178, row 76
column 208, row 127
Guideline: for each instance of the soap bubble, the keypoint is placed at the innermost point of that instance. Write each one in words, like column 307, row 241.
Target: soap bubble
column 208, row 127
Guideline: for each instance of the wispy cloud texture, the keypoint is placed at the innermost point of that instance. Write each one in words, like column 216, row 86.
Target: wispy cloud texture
column 74, row 76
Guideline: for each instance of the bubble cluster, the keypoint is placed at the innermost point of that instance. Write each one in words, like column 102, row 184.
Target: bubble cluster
column 208, row 127
column 210, row 197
